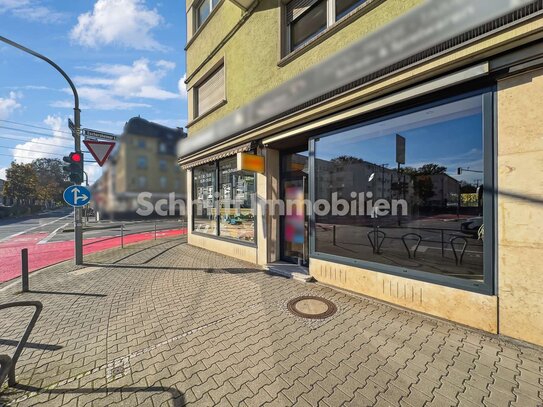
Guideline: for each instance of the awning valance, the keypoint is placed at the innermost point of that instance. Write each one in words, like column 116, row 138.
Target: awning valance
column 187, row 164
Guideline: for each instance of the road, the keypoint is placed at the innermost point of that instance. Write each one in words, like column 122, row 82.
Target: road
column 42, row 222
column 49, row 238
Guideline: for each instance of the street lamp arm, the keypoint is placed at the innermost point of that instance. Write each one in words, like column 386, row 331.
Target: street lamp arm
column 44, row 58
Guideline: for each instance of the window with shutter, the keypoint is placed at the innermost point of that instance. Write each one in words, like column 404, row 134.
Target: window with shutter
column 210, row 92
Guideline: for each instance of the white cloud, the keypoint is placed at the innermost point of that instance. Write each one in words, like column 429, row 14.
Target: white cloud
column 3, row 173
column 117, row 86
column 31, row 10
column 57, row 144
column 9, row 105
column 127, row 23
column 182, row 86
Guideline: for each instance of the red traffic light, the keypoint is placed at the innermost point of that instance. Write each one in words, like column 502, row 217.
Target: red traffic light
column 76, row 157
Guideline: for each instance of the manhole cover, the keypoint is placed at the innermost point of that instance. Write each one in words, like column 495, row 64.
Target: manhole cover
column 312, row 307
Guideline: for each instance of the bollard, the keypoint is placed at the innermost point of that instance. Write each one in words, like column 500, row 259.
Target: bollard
column 155, row 230
column 334, row 235
column 24, row 270
column 122, row 236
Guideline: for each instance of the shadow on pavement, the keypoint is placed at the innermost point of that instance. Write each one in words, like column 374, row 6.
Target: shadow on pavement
column 42, row 346
column 177, row 398
column 205, row 269
column 65, row 293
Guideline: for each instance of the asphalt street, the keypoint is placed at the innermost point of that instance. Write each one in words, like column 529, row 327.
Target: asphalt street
column 41, row 222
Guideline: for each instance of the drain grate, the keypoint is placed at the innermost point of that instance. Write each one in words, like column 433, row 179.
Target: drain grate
column 312, row 307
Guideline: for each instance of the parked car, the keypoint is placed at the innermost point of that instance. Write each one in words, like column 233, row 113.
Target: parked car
column 472, row 226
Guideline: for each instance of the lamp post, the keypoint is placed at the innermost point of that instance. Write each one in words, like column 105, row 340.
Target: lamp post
column 78, row 214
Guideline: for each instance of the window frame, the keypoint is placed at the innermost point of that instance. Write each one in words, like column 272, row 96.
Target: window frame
column 217, row 220
column 145, row 165
column 488, row 285
column 287, row 54
column 212, row 6
column 196, row 114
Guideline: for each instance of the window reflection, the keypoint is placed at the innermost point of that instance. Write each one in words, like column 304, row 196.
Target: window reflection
column 439, row 179
column 204, row 210
column 237, row 189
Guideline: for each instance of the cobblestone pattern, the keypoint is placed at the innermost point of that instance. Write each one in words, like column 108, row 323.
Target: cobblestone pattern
column 166, row 324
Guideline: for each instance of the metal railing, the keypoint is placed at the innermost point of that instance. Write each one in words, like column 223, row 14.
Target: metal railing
column 7, row 363
column 153, row 229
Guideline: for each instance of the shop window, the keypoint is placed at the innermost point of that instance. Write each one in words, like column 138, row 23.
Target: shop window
column 237, row 189
column 413, row 185
column 203, row 190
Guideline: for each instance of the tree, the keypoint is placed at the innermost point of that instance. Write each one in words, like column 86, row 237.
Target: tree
column 52, row 180
column 347, row 159
column 432, row 169
column 21, row 182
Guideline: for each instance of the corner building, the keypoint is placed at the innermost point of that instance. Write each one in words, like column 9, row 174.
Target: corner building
column 436, row 105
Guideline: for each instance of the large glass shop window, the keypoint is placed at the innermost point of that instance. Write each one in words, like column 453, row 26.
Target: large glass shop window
column 427, row 169
column 204, row 207
column 237, row 189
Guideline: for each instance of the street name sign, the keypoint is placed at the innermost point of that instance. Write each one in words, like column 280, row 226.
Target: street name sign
column 98, row 134
column 100, row 150
column 77, row 196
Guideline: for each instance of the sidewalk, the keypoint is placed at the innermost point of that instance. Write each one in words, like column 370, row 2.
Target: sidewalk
column 161, row 323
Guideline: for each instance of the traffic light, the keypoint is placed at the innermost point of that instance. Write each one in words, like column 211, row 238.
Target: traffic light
column 74, row 167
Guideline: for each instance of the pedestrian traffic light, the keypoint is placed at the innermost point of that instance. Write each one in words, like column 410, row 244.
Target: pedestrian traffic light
column 74, row 167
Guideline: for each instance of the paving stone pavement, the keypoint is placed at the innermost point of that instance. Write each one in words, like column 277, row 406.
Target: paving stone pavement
column 165, row 324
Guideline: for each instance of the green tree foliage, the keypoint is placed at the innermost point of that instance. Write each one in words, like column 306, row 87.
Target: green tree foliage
column 21, row 182
column 52, row 180
column 43, row 180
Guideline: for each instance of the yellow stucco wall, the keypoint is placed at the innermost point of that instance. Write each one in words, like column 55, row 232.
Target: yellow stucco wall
column 520, row 207
column 252, row 54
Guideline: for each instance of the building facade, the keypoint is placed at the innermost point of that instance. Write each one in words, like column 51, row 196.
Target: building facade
column 145, row 160
column 416, row 120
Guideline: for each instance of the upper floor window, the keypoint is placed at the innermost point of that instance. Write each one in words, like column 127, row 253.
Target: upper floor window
column 142, row 162
column 163, row 182
column 162, row 148
column 163, row 165
column 209, row 93
column 203, row 11
column 305, row 19
column 141, row 143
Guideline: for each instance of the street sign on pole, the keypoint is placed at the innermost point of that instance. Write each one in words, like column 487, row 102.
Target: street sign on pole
column 100, row 150
column 98, row 134
column 77, row 196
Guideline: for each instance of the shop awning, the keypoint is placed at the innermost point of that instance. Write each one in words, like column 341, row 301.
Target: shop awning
column 243, row 148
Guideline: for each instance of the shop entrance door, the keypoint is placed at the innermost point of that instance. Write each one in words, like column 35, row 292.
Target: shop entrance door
column 294, row 190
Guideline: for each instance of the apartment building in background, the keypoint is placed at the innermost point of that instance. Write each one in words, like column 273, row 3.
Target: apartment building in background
column 340, row 96
column 145, row 160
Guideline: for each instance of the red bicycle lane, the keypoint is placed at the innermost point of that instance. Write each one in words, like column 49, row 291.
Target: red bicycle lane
column 43, row 255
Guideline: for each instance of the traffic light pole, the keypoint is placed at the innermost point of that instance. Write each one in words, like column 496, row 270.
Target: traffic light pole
column 78, row 212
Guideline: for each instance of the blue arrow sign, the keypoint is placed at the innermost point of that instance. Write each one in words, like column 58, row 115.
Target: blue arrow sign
column 77, row 195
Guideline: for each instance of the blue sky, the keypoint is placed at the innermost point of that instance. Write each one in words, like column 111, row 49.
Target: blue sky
column 126, row 58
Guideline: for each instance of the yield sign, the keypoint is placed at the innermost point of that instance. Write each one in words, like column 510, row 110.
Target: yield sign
column 100, row 150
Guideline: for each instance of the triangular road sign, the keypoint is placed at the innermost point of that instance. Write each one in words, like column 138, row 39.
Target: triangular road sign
column 100, row 150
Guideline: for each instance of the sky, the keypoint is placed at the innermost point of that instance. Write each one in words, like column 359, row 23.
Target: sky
column 126, row 58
